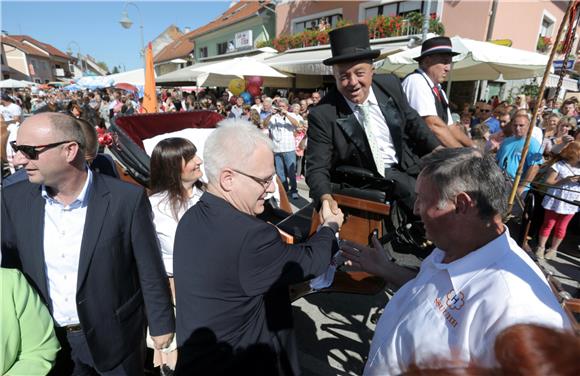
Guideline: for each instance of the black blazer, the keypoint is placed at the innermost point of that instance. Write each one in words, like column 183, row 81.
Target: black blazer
column 336, row 138
column 232, row 273
column 120, row 265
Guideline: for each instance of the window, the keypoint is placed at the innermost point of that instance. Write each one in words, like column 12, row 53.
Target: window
column 312, row 23
column 222, row 48
column 547, row 27
column 203, row 52
column 398, row 8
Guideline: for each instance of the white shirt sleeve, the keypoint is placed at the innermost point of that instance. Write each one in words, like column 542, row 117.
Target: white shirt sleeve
column 419, row 95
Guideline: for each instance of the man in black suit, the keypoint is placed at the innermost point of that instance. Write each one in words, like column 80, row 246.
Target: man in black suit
column 232, row 270
column 364, row 122
column 87, row 244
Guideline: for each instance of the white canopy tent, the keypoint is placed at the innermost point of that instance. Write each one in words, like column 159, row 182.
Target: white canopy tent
column 13, row 84
column 222, row 72
column 308, row 60
column 477, row 61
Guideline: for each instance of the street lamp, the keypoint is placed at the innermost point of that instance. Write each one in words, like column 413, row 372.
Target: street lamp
column 79, row 56
column 126, row 22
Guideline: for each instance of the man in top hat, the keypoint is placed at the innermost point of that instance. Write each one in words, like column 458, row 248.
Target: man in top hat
column 425, row 95
column 364, row 122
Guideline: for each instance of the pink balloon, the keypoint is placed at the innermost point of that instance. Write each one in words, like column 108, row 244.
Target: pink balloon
column 254, row 81
column 254, row 90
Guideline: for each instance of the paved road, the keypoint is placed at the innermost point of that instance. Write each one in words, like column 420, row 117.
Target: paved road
column 334, row 330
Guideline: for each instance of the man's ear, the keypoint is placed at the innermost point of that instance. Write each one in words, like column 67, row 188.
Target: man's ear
column 463, row 203
column 226, row 180
column 72, row 150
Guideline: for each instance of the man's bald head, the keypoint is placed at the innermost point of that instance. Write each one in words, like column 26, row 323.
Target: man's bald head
column 65, row 126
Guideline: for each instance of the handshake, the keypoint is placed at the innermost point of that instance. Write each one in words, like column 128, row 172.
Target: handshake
column 332, row 217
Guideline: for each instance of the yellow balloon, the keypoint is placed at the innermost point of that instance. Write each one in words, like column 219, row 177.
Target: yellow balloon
column 237, row 86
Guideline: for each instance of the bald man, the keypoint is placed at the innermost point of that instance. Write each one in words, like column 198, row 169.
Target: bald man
column 87, row 244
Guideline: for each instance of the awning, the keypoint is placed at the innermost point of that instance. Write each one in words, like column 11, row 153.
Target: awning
column 308, row 60
column 569, row 84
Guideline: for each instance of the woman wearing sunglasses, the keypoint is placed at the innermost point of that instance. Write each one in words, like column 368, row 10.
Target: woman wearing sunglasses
column 175, row 187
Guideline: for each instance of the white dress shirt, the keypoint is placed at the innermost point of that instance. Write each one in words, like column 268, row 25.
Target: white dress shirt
column 63, row 234
column 418, row 89
column 457, row 309
column 379, row 128
column 166, row 224
column 282, row 132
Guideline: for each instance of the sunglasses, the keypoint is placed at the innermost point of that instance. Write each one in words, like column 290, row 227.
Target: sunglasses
column 32, row 152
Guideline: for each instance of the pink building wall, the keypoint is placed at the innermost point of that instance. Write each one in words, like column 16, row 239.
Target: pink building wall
column 467, row 19
column 287, row 11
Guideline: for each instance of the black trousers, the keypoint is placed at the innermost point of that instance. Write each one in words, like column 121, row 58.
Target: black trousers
column 403, row 190
column 75, row 358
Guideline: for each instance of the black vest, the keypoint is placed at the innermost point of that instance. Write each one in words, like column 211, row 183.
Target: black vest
column 441, row 104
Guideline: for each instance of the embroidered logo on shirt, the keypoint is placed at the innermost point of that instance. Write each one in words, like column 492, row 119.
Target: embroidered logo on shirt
column 455, row 301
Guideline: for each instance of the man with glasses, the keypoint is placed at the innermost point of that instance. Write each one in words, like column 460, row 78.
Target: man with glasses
column 87, row 243
column 484, row 114
column 232, row 270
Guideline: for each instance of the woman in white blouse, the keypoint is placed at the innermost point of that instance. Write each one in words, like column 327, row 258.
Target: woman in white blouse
column 175, row 187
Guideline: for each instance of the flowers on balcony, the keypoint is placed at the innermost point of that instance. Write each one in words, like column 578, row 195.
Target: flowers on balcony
column 379, row 27
column 544, row 44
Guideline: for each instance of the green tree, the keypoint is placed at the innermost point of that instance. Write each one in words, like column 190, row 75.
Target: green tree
column 103, row 65
column 115, row 70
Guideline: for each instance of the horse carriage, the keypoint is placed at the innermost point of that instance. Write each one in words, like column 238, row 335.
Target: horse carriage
column 363, row 198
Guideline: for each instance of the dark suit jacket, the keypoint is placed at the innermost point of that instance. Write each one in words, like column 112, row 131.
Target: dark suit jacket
column 232, row 273
column 336, row 138
column 120, row 265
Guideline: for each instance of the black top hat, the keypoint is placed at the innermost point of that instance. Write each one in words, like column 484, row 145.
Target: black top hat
column 350, row 43
column 436, row 46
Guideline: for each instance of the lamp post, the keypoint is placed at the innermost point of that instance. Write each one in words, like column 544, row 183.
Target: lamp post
column 79, row 56
column 126, row 22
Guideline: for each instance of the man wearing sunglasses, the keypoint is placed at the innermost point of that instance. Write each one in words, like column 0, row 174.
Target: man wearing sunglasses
column 232, row 270
column 87, row 243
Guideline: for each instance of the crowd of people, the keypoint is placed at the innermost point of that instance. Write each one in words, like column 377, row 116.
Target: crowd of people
column 190, row 271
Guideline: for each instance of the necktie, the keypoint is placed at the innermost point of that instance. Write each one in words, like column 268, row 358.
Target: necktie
column 437, row 93
column 365, row 120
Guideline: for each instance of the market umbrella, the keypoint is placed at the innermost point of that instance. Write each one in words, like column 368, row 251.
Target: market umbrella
column 219, row 73
column 126, row 86
column 476, row 61
column 12, row 84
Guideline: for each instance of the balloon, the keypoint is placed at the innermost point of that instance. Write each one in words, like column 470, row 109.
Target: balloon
column 254, row 90
column 237, row 86
column 254, row 81
column 247, row 97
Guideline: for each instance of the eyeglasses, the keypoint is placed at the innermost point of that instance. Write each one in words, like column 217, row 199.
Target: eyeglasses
column 32, row 152
column 265, row 183
column 484, row 110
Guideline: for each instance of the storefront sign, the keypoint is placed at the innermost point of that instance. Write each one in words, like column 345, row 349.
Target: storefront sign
column 243, row 39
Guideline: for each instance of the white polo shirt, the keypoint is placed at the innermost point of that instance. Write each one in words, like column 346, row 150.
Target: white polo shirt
column 457, row 309
column 419, row 91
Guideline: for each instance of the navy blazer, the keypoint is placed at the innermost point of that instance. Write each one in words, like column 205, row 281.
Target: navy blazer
column 336, row 138
column 120, row 277
column 232, row 273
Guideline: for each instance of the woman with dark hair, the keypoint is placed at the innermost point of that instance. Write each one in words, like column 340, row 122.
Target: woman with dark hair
column 175, row 187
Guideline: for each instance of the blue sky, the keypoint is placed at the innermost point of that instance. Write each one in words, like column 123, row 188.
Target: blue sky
column 94, row 25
